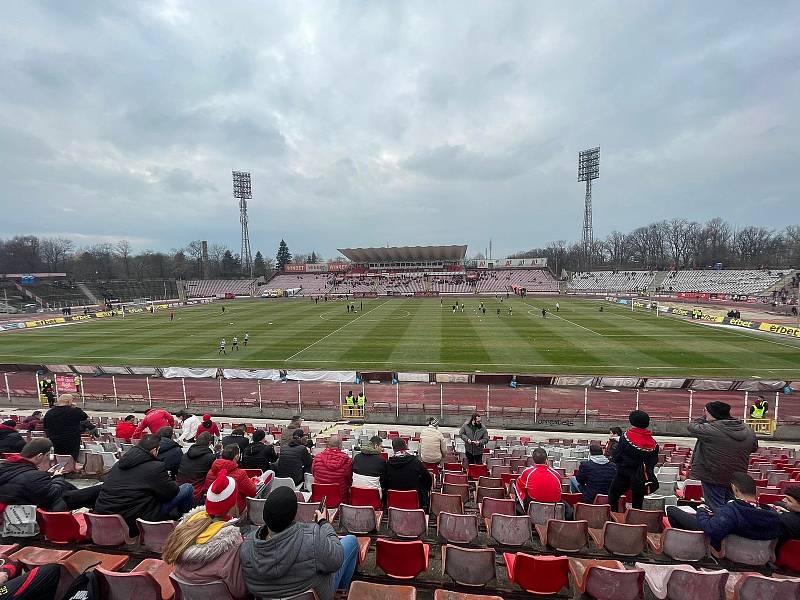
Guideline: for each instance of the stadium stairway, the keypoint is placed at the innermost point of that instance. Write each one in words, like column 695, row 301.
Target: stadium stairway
column 87, row 292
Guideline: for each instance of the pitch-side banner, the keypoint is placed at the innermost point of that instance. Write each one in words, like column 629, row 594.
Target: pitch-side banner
column 332, row 376
column 265, row 374
column 188, row 372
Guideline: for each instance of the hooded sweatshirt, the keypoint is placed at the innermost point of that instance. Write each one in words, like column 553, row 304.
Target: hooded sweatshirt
column 170, row 453
column 213, row 557
column 10, row 439
column 334, row 466
column 302, row 556
column 746, row 519
column 368, row 467
column 405, row 472
column 195, row 465
column 154, row 420
column 723, row 447
column 244, row 485
column 596, row 475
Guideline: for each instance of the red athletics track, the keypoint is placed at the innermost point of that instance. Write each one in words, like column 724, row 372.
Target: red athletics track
column 414, row 397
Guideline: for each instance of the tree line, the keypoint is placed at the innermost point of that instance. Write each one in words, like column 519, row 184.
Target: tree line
column 678, row 244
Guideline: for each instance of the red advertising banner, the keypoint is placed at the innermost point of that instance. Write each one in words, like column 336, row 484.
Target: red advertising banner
column 66, row 384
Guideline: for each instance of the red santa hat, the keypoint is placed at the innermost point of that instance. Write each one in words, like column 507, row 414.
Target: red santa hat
column 221, row 496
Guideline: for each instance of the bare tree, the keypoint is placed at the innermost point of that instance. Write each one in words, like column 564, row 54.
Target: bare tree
column 54, row 251
column 122, row 250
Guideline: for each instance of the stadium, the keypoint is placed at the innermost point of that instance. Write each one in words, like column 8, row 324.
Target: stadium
column 476, row 378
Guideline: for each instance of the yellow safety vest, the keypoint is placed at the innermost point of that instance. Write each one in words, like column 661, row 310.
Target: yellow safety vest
column 757, row 411
column 361, row 400
column 350, row 400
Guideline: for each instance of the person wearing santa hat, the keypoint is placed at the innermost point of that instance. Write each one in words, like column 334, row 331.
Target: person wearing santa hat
column 204, row 546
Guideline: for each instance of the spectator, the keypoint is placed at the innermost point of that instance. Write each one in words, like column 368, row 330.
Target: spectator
column 432, row 444
column 196, row 464
column 258, row 455
column 283, row 558
column 288, row 431
column 204, row 547
column 789, row 512
column 334, row 466
column 138, row 486
column 538, row 483
column 10, row 439
column 405, row 471
column 63, row 426
column 295, row 459
column 26, row 479
column 208, row 425
column 40, row 583
column 613, row 441
column 594, row 475
column 237, row 437
column 33, row 422
column 125, row 428
column 188, row 427
column 723, row 447
column 475, row 438
column 169, row 451
column 636, row 456
column 154, row 420
column 229, row 462
column 742, row 516
column 369, row 467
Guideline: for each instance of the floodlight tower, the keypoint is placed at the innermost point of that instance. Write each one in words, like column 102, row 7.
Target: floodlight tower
column 588, row 169
column 244, row 192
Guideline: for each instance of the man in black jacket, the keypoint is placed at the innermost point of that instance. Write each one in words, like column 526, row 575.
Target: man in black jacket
column 406, row 472
column 170, row 452
column 196, row 464
column 258, row 455
column 10, row 439
column 369, row 467
column 789, row 512
column 636, row 456
column 237, row 437
column 295, row 459
column 594, row 475
column 22, row 481
column 63, row 426
column 139, row 486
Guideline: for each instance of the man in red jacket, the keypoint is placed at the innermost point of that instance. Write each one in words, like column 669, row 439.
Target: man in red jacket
column 538, row 483
column 125, row 429
column 334, row 466
column 154, row 420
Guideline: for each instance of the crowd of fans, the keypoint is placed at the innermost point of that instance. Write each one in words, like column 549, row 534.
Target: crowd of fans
column 200, row 480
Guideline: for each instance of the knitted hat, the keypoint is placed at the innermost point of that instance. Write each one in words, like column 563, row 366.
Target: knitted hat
column 206, row 417
column 298, row 433
column 719, row 410
column 280, row 509
column 639, row 418
column 221, row 496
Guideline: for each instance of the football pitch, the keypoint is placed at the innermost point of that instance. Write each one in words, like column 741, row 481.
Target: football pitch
column 415, row 335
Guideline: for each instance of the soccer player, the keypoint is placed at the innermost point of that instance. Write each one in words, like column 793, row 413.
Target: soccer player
column 222, row 347
column 235, row 343
column 509, row 311
column 223, row 310
column 498, row 311
column 558, row 307
column 544, row 313
column 246, row 337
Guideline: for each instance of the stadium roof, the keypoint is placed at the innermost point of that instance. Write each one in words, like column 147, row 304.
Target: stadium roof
column 405, row 254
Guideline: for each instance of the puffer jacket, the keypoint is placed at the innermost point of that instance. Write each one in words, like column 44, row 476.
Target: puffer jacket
column 723, row 447
column 636, row 455
column 293, row 461
column 195, row 465
column 258, row 455
column 244, row 485
column 334, row 466
column 302, row 556
column 406, row 472
column 22, row 483
column 214, row 558
column 32, row 423
column 432, row 445
column 10, row 439
column 136, row 487
column 745, row 519
column 596, row 474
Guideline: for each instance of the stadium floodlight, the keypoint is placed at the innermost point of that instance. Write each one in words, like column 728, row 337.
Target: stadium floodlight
column 243, row 190
column 588, row 169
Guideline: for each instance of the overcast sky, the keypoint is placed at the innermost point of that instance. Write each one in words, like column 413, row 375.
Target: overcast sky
column 375, row 122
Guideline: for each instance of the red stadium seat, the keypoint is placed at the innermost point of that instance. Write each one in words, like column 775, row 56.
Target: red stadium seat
column 538, row 574
column 214, row 590
column 564, row 536
column 408, row 499
column 30, row 556
column 408, row 523
column 401, row 560
column 153, row 534
column 361, row 590
column 62, row 527
column 606, row 579
column 467, row 566
column 359, row 519
column 618, row 538
column 476, row 471
column 329, row 491
column 148, row 579
column 789, row 556
column 457, row 528
column 108, row 530
column 684, row 582
column 449, row 595
column 595, row 514
column 457, row 478
column 451, row 503
column 365, row 497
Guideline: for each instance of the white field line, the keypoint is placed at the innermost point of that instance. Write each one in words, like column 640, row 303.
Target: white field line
column 553, row 314
column 335, row 331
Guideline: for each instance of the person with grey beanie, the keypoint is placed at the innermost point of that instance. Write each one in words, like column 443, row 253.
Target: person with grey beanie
column 723, row 447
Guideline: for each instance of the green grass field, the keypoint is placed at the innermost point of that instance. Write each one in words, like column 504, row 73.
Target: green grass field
column 418, row 334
